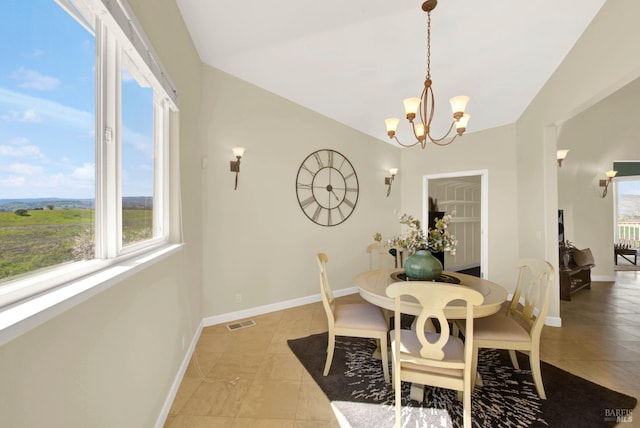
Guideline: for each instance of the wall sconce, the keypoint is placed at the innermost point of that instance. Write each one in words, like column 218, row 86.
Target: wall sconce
column 389, row 180
column 561, row 154
column 605, row 183
column 235, row 165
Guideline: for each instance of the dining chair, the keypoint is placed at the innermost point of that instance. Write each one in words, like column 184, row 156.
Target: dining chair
column 380, row 257
column 353, row 320
column 519, row 328
column 437, row 359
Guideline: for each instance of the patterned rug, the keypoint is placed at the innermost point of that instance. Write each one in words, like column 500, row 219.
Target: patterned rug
column 360, row 397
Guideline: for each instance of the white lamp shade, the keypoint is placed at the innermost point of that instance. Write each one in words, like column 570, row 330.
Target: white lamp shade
column 562, row 154
column 459, row 103
column 463, row 121
column 392, row 124
column 411, row 105
column 238, row 151
column 393, row 171
column 419, row 129
column 611, row 174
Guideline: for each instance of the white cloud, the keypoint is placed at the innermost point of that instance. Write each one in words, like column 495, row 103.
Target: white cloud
column 85, row 172
column 21, row 151
column 29, row 115
column 25, row 169
column 19, row 141
column 45, row 109
column 36, row 53
column 34, row 80
column 12, row 182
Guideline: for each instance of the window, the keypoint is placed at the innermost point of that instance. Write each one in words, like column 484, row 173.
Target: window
column 628, row 212
column 84, row 110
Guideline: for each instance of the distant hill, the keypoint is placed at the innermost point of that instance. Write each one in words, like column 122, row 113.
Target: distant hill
column 629, row 208
column 128, row 202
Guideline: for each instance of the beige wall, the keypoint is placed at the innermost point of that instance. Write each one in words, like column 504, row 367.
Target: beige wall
column 596, row 138
column 110, row 361
column 257, row 241
column 599, row 64
column 492, row 150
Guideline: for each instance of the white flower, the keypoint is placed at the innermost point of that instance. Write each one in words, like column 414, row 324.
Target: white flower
column 434, row 240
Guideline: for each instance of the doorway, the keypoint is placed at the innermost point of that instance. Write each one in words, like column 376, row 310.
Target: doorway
column 463, row 195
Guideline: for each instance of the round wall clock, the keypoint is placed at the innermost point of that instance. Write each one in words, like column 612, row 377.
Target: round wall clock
column 327, row 187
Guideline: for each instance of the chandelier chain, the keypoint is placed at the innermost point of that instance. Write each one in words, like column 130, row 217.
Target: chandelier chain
column 428, row 45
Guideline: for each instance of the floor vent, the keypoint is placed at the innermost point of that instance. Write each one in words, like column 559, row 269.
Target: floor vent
column 241, row 324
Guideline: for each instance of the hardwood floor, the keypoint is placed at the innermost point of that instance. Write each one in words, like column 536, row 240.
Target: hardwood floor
column 250, row 378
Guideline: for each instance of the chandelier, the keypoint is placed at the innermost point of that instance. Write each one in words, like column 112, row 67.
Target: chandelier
column 426, row 104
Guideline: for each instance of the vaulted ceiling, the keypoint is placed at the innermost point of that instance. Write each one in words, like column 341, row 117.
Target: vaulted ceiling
column 355, row 60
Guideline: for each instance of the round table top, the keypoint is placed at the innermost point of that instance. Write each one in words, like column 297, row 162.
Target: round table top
column 372, row 286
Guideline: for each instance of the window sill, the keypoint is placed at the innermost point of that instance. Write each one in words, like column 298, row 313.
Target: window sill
column 18, row 319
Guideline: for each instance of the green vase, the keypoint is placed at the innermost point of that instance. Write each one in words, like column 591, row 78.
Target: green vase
column 423, row 266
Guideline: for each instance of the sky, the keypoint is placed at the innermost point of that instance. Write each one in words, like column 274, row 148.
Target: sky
column 629, row 187
column 47, row 108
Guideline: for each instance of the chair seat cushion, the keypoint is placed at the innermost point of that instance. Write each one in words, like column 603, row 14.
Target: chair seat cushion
column 360, row 316
column 499, row 327
column 453, row 350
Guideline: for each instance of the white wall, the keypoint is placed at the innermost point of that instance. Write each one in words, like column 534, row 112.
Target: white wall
column 110, row 361
column 493, row 150
column 257, row 241
column 596, row 138
column 599, row 64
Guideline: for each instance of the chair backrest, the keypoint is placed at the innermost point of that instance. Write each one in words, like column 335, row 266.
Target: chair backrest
column 328, row 301
column 379, row 256
column 434, row 297
column 530, row 302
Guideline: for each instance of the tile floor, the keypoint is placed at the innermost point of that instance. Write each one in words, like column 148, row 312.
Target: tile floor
column 250, row 378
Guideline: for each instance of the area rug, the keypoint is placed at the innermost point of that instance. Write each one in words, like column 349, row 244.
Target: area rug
column 360, row 398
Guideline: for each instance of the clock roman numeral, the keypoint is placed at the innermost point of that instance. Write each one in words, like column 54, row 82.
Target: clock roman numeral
column 304, row 186
column 316, row 214
column 317, row 156
column 330, row 153
column 351, row 189
column 307, row 202
column 329, row 218
column 306, row 168
column 349, row 176
column 341, row 214
column 348, row 202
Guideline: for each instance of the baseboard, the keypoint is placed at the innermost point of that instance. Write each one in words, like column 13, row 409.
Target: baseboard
column 260, row 310
column 603, row 278
column 553, row 321
column 171, row 396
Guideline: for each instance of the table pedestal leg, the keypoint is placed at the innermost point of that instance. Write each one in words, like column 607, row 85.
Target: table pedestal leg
column 417, row 392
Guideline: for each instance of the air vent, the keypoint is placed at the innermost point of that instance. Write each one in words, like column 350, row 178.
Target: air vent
column 241, row 324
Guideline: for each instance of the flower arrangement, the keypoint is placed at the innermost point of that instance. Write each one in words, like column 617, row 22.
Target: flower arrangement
column 566, row 249
column 434, row 240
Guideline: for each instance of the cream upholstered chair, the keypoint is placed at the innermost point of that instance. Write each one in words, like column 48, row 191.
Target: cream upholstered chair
column 436, row 359
column 354, row 320
column 520, row 327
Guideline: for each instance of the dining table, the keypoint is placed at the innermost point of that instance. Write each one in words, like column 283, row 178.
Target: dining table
column 372, row 286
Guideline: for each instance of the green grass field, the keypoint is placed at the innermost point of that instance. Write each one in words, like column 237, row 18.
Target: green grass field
column 45, row 238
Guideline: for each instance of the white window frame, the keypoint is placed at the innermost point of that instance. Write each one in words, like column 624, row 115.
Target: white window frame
column 34, row 298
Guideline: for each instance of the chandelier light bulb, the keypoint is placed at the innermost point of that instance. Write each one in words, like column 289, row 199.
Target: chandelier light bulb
column 391, row 125
column 411, row 106
column 458, row 105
